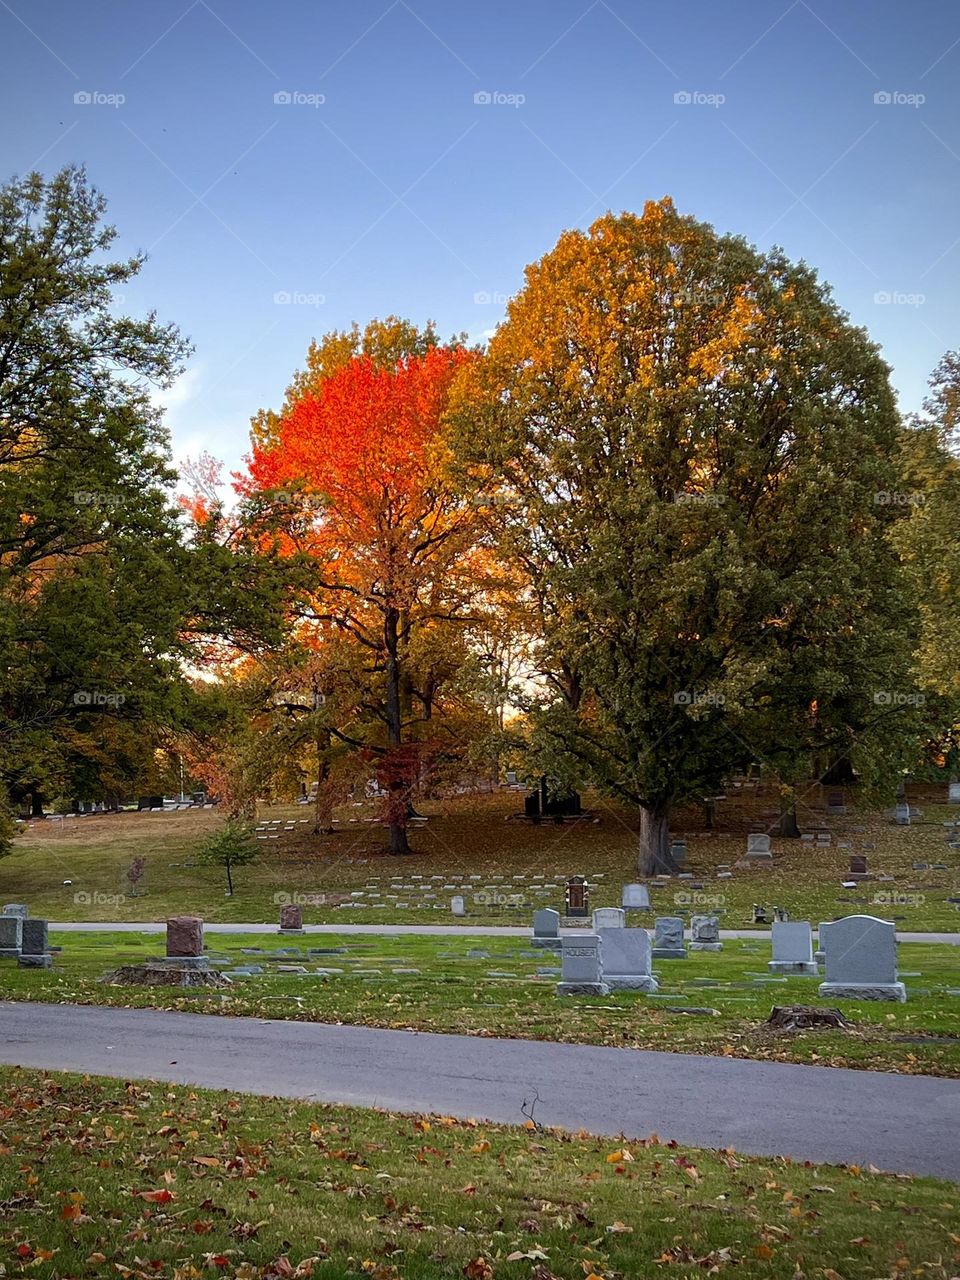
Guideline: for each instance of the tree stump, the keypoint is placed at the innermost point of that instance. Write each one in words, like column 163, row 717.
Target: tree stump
column 801, row 1017
column 164, row 975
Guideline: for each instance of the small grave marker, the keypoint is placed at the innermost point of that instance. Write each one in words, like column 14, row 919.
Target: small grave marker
column 705, row 934
column 758, row 845
column 291, row 918
column 577, row 898
column 608, row 918
column 792, row 948
column 635, row 897
column 546, row 929
column 668, row 939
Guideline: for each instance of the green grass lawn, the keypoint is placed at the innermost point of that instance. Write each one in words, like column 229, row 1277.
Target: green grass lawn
column 472, row 836
column 457, row 989
column 99, row 1177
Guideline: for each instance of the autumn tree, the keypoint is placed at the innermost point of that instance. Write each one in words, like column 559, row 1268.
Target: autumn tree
column 688, row 437
column 359, row 457
column 928, row 536
column 385, row 342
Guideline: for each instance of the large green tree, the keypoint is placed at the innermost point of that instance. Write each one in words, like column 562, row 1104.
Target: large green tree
column 88, row 535
column 689, row 438
column 101, row 598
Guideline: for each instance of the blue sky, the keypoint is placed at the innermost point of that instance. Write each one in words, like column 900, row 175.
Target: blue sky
column 399, row 193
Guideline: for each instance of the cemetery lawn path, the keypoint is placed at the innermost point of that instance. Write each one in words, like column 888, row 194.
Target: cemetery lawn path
column 899, row 1123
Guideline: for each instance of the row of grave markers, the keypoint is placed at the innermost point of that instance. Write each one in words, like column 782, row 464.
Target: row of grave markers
column 859, row 953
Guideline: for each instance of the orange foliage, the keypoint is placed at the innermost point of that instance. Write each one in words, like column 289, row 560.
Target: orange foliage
column 365, row 442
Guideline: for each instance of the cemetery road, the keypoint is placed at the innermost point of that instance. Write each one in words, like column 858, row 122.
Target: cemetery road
column 900, row 1123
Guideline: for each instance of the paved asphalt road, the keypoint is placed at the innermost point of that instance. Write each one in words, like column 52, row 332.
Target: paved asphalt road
column 907, row 1124
column 432, row 930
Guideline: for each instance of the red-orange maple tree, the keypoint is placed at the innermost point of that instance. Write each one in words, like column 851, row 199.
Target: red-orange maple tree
column 391, row 536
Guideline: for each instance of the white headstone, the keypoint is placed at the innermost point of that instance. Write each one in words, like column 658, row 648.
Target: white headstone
column 860, row 958
column 792, row 948
column 581, row 967
column 636, row 897
column 608, row 918
column 626, row 960
column 457, row 905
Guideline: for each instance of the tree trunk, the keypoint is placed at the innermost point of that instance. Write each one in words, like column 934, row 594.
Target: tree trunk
column 396, row 800
column 789, row 829
column 229, row 881
column 654, row 857
column 323, row 804
column 36, row 805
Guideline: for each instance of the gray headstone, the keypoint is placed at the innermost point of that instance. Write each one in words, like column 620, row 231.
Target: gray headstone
column 546, row 929
column 860, row 958
column 668, row 939
column 582, row 969
column 11, row 935
column 953, row 793
column 636, row 897
column 627, row 960
column 758, row 845
column 705, row 934
column 901, row 815
column 457, row 905
column 18, row 909
column 34, row 938
column 608, row 918
column 792, row 948
column 34, row 948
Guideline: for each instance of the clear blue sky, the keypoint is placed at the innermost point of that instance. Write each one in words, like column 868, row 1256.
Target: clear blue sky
column 402, row 194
